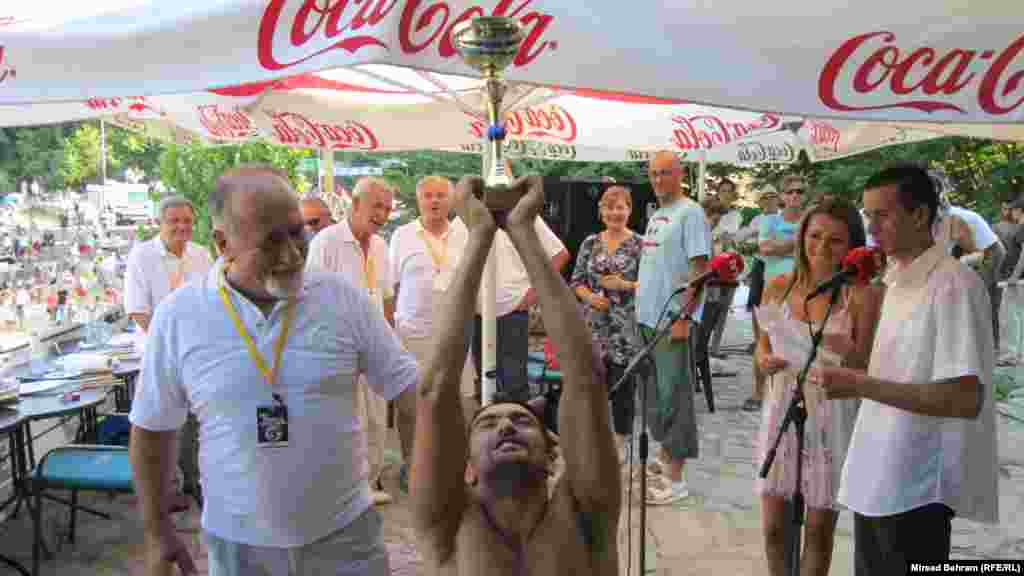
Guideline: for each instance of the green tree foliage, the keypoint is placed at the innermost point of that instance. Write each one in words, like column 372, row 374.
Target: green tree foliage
column 192, row 171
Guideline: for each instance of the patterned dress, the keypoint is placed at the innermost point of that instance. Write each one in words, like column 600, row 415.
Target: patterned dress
column 615, row 329
column 827, row 430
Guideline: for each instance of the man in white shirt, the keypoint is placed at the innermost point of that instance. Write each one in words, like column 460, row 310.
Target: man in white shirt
column 267, row 356
column 353, row 249
column 724, row 239
column 514, row 298
column 424, row 255
column 157, row 267
column 924, row 447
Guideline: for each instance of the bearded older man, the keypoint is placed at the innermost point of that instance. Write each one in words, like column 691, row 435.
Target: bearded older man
column 267, row 357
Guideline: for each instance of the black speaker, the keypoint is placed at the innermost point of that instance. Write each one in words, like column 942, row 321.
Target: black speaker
column 570, row 209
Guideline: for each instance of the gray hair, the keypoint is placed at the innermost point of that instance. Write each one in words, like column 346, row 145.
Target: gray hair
column 434, row 179
column 175, row 201
column 366, row 183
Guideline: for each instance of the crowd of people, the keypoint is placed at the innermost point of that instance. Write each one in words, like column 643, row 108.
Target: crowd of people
column 286, row 354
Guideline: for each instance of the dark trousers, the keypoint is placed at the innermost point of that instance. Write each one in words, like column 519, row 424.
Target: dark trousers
column 513, row 348
column 886, row 544
column 622, row 400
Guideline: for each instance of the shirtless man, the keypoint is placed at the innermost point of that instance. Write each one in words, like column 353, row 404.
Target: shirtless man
column 480, row 497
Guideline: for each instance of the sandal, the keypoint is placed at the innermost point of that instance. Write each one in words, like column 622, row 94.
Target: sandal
column 752, row 405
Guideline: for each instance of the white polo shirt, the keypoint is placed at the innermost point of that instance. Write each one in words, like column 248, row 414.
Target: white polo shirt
column 935, row 325
column 335, row 249
column 153, row 272
column 196, row 361
column 513, row 282
column 423, row 270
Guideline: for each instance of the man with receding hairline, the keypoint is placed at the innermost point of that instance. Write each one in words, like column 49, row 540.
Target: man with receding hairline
column 266, row 355
column 480, row 493
column 316, row 214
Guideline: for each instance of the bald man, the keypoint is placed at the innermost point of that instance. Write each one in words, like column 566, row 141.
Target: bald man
column 316, row 215
column 677, row 245
column 266, row 355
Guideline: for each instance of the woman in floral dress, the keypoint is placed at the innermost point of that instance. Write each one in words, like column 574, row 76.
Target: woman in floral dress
column 826, row 233
column 605, row 281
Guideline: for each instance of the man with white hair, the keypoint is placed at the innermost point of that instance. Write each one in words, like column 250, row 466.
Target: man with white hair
column 424, row 256
column 267, row 356
column 353, row 249
column 157, row 267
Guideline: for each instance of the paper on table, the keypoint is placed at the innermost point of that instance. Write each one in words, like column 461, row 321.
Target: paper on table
column 788, row 337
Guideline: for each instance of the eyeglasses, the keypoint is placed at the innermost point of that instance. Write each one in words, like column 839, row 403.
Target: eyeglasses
column 799, row 191
column 661, row 173
column 313, row 222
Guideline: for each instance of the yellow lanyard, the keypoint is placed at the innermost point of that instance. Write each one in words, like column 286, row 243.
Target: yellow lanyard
column 370, row 272
column 440, row 257
column 269, row 373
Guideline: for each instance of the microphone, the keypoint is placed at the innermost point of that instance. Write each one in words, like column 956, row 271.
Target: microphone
column 725, row 267
column 860, row 264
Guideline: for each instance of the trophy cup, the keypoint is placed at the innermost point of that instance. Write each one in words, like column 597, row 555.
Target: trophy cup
column 489, row 43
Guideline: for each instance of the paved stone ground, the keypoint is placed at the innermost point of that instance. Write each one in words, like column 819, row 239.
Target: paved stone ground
column 715, row 531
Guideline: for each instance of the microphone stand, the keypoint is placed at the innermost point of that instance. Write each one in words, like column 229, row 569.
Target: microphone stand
column 797, row 415
column 642, row 362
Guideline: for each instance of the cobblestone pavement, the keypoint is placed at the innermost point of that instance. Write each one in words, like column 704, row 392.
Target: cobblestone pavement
column 715, row 531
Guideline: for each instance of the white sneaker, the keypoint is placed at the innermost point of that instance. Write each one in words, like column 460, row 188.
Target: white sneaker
column 661, row 491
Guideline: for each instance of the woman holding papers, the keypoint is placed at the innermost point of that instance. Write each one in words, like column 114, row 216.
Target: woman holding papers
column 827, row 232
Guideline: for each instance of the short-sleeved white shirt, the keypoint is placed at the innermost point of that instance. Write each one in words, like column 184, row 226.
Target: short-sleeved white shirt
column 196, row 361
column 335, row 249
column 151, row 269
column 935, row 325
column 513, row 282
column 417, row 276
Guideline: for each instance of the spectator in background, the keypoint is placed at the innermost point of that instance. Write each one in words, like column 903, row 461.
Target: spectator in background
column 316, row 215
column 768, row 203
column 605, row 280
column 776, row 246
column 353, row 249
column 723, row 234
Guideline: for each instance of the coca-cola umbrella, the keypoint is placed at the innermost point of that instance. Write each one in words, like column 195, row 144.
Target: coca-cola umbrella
column 942, row 61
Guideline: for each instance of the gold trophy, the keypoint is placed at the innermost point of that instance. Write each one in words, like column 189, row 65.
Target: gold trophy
column 489, row 43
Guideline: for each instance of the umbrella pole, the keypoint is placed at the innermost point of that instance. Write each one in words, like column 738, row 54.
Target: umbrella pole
column 327, row 179
column 701, row 173
column 489, row 330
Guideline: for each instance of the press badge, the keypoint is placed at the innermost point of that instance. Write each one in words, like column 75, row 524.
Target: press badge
column 272, row 424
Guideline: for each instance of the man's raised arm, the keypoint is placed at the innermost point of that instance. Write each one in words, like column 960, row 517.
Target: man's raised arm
column 441, row 449
column 592, row 465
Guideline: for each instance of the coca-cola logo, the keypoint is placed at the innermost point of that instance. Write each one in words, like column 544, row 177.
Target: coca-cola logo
column 320, row 26
column 707, row 131
column 761, row 153
column 824, row 135
column 297, row 130
column 136, row 104
column 922, row 79
column 226, row 124
column 548, row 121
column 6, row 70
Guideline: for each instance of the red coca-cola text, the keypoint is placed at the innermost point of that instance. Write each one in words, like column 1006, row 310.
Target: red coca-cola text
column 824, row 135
column 5, row 70
column 351, row 25
column 225, row 124
column 550, row 121
column 879, row 66
column 297, row 130
column 706, row 132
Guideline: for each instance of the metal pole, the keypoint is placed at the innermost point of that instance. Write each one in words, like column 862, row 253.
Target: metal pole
column 701, row 172
column 489, row 330
column 327, row 179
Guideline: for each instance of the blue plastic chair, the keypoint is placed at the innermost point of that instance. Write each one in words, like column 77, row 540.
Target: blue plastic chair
column 77, row 468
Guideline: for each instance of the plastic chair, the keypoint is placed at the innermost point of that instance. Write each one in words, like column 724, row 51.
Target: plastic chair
column 77, row 468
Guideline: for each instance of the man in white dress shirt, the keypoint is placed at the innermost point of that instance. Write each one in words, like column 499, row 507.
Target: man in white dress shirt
column 353, row 249
column 424, row 255
column 267, row 357
column 924, row 446
column 157, row 267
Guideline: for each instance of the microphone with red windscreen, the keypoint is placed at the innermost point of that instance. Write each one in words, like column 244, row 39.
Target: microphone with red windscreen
column 725, row 267
column 859, row 265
